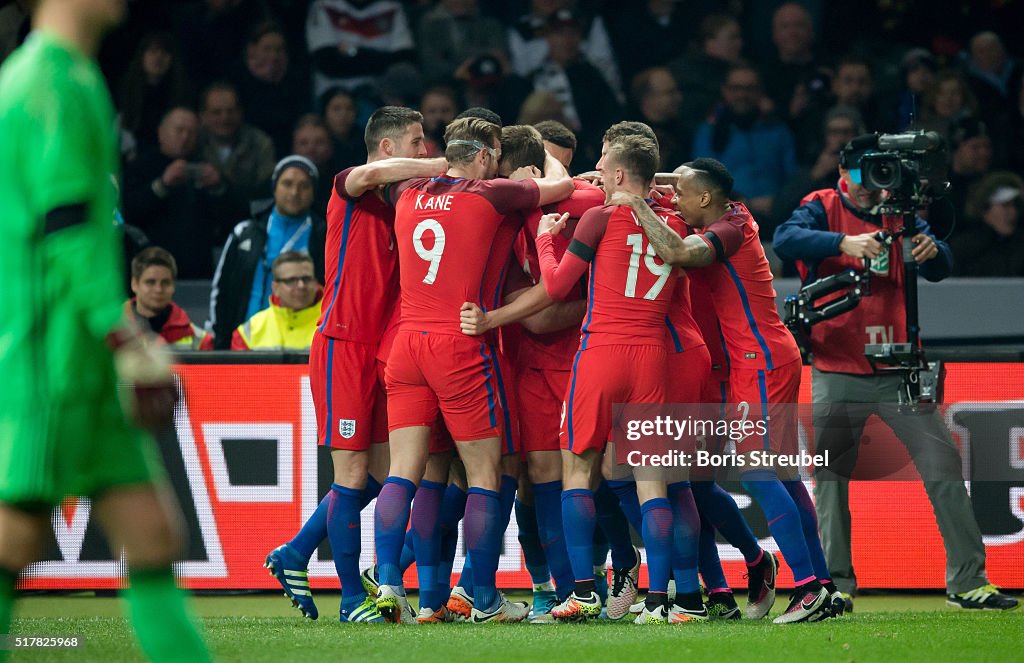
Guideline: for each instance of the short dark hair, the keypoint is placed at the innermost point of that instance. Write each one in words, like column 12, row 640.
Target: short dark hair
column 620, row 130
column 713, row 24
column 853, row 59
column 637, row 155
column 712, row 174
column 290, row 256
column 522, row 145
column 222, row 86
column 264, row 28
column 470, row 129
column 389, row 122
column 481, row 113
column 153, row 256
column 327, row 97
column 555, row 132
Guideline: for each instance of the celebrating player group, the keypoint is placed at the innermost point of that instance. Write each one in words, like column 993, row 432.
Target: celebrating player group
column 483, row 313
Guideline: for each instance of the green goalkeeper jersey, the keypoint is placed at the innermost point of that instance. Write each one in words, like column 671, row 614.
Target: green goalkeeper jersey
column 61, row 271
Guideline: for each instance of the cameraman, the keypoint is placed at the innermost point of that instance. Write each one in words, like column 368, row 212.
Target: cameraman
column 832, row 231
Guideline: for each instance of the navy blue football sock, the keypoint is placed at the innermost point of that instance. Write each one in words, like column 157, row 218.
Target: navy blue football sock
column 657, row 535
column 685, row 537
column 313, row 531
column 529, row 540
column 809, row 520
column 426, row 510
column 628, row 502
column 783, row 521
column 709, row 563
column 612, row 521
column 720, row 509
column 390, row 518
column 371, row 491
column 484, row 536
column 548, row 497
column 343, row 529
column 579, row 518
column 453, row 506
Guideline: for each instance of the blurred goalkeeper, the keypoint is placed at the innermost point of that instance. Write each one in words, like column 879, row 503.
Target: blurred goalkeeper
column 64, row 346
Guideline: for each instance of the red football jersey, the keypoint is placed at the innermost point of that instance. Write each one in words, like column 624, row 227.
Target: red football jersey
column 361, row 266
column 683, row 332
column 702, row 305
column 445, row 228
column 740, row 282
column 554, row 351
column 629, row 288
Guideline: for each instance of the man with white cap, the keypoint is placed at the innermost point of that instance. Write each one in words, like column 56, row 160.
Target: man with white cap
column 242, row 282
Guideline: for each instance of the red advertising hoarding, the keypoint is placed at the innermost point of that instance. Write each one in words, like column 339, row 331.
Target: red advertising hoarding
column 245, row 466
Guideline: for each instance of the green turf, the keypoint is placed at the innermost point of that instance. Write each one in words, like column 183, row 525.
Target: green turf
column 264, row 628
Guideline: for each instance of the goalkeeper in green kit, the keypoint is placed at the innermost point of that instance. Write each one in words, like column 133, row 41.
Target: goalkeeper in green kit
column 64, row 346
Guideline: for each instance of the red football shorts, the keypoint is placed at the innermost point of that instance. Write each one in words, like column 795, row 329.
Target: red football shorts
column 688, row 371
column 715, row 394
column 601, row 377
column 772, row 394
column 540, row 393
column 429, row 374
column 505, row 382
column 349, row 400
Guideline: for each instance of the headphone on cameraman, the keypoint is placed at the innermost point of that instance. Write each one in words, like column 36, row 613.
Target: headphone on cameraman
column 849, row 156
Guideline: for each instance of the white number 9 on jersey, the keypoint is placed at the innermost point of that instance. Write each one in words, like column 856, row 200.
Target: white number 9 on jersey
column 433, row 255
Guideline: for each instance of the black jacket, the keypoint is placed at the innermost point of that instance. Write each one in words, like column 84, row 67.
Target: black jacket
column 232, row 282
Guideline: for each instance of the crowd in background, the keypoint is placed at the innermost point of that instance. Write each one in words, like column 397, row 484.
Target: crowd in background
column 212, row 94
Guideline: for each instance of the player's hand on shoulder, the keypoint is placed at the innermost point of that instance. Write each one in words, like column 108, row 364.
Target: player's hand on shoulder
column 473, row 319
column 551, row 224
column 925, row 248
column 145, row 367
column 861, row 246
column 591, row 176
column 623, row 198
column 525, row 173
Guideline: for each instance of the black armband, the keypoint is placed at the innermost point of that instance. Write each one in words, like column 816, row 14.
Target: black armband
column 66, row 216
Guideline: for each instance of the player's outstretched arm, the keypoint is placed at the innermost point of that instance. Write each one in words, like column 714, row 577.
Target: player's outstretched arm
column 556, row 184
column 691, row 251
column 474, row 321
column 378, row 173
column 554, row 318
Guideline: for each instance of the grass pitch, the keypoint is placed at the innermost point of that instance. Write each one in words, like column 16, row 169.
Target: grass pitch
column 266, row 628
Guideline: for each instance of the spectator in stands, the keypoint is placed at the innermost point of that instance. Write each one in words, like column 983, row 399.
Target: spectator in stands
column 290, row 319
column 312, row 140
column 589, row 104
column 269, row 89
column 993, row 76
column 439, row 106
column 243, row 154
column 650, row 33
column 700, row 74
column 174, row 196
column 528, row 43
column 656, row 100
column 454, row 33
column 487, row 81
column 842, row 124
column 352, row 41
column 947, row 98
column 243, row 279
column 1015, row 143
column 213, row 35
column 154, row 273
column 994, row 245
column 970, row 160
column 757, row 149
column 793, row 63
column 154, row 83
column 918, row 71
column 339, row 111
column 853, row 85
